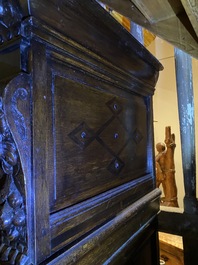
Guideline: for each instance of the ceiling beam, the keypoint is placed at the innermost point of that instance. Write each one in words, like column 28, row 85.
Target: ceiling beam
column 175, row 28
column 191, row 7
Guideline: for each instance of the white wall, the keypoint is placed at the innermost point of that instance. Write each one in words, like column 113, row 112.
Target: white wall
column 166, row 107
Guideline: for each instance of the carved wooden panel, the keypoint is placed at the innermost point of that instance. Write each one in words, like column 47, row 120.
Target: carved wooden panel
column 89, row 121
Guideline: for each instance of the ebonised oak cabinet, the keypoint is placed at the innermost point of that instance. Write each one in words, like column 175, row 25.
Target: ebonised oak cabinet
column 77, row 182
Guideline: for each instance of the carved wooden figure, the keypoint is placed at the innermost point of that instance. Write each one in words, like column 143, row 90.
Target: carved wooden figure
column 165, row 169
column 76, row 137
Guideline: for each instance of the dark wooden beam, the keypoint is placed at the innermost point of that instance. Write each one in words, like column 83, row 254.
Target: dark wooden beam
column 187, row 127
column 191, row 7
column 185, row 225
column 165, row 18
column 178, row 223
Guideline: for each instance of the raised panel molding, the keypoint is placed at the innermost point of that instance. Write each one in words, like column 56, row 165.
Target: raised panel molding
column 86, row 119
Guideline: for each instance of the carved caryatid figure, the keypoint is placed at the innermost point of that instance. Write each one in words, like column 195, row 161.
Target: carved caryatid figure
column 165, row 169
column 12, row 207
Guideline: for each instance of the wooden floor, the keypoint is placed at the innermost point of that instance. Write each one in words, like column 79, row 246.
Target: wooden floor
column 171, row 249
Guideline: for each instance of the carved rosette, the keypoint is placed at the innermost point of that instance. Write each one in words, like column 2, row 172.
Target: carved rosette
column 13, row 233
column 10, row 19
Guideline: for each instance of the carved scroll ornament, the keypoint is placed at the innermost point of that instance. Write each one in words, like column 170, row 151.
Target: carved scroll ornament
column 13, row 245
column 10, row 19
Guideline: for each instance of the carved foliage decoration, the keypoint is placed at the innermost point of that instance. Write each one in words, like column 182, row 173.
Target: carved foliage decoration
column 10, row 19
column 13, row 234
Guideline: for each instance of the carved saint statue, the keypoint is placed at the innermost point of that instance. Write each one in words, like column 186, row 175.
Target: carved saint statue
column 165, row 169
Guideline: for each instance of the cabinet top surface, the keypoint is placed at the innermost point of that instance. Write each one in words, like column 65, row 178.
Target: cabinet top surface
column 83, row 21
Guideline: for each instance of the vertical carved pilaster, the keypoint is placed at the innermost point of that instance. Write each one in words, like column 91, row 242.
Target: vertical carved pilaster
column 15, row 173
column 13, row 233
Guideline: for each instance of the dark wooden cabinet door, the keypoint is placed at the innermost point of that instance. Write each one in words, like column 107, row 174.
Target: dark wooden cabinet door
column 78, row 112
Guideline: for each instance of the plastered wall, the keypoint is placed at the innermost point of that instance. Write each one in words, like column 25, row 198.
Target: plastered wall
column 166, row 107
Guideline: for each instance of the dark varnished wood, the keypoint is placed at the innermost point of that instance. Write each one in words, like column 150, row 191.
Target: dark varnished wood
column 89, row 172
column 40, row 139
column 85, row 121
column 17, row 95
column 184, row 225
column 69, row 14
column 187, row 128
column 118, row 232
column 72, row 222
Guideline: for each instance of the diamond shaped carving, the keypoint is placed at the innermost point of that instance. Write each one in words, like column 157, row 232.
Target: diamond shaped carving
column 114, row 136
column 82, row 135
column 114, row 106
column 137, row 136
column 116, row 166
